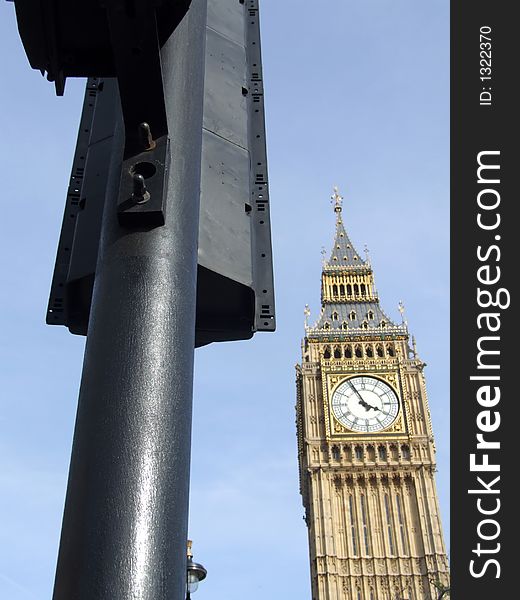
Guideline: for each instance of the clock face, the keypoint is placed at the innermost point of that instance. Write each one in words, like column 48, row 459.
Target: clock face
column 365, row 404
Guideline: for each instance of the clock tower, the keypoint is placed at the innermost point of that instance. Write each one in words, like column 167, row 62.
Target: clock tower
column 365, row 445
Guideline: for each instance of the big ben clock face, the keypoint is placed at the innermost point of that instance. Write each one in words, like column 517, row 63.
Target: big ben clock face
column 365, row 404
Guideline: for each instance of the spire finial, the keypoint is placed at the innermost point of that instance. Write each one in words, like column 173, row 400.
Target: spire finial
column 337, row 198
column 307, row 313
column 401, row 310
column 323, row 256
column 367, row 254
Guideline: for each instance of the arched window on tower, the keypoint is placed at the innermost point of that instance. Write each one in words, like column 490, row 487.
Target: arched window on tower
column 371, row 453
column 363, row 289
column 334, row 290
column 344, row 325
column 335, row 453
column 353, row 535
column 381, row 450
column 394, row 452
column 352, row 315
column 383, row 324
column 379, row 350
column 364, row 522
column 356, row 289
column 349, row 289
column 364, row 325
column 390, row 350
column 370, row 315
column 334, row 316
column 358, row 452
column 348, row 352
column 389, row 525
column 358, row 351
column 326, row 352
column 369, row 352
column 401, row 523
column 327, row 325
column 341, row 290
column 405, row 451
column 337, row 352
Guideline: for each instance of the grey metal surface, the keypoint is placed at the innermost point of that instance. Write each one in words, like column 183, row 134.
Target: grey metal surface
column 259, row 183
column 225, row 234
column 76, row 39
column 227, row 17
column 235, row 234
column 225, row 89
column 125, row 522
column 78, row 216
column 234, row 111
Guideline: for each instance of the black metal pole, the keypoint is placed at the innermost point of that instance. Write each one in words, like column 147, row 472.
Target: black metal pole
column 125, row 522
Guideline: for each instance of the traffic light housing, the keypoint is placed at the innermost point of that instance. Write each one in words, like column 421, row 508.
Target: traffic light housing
column 235, row 292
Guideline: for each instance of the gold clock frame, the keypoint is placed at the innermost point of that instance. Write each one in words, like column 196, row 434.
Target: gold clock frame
column 335, row 430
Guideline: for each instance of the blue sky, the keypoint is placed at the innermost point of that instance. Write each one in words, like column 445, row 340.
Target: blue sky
column 356, row 96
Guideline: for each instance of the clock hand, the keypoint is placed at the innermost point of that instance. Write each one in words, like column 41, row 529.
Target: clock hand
column 382, row 411
column 361, row 401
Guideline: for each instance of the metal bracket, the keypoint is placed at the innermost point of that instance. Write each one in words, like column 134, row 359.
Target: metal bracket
column 135, row 43
column 144, row 180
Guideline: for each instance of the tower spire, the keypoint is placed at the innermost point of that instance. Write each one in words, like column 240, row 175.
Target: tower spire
column 343, row 252
column 348, row 294
column 337, row 199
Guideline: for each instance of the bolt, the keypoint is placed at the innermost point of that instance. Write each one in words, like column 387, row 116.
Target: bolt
column 140, row 193
column 145, row 136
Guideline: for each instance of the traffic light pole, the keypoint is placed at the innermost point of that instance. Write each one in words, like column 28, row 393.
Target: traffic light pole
column 125, row 521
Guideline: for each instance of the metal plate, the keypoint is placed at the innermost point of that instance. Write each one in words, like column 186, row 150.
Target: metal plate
column 225, row 89
column 259, row 183
column 225, row 234
column 72, row 260
column 227, row 17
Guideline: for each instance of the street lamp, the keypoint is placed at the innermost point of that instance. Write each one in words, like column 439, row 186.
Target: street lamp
column 195, row 573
